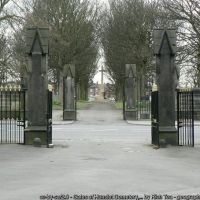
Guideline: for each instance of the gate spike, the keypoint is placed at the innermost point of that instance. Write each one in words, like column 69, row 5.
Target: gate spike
column 15, row 87
column 10, row 87
column 154, row 87
column 50, row 88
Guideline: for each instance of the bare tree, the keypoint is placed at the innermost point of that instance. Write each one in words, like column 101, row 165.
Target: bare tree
column 73, row 36
column 7, row 17
column 187, row 13
column 4, row 12
column 126, row 36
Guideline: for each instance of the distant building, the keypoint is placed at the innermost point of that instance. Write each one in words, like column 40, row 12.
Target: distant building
column 109, row 90
column 93, row 89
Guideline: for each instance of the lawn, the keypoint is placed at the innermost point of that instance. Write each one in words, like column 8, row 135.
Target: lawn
column 81, row 105
column 57, row 105
column 140, row 105
column 119, row 105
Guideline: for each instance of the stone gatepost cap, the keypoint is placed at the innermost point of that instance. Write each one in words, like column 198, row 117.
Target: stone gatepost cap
column 130, row 70
column 158, row 37
column 154, row 88
column 41, row 33
column 50, row 87
column 69, row 70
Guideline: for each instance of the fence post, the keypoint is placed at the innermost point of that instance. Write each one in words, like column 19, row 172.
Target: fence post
column 49, row 119
column 124, row 99
column 178, row 113
column 155, row 116
column 193, row 118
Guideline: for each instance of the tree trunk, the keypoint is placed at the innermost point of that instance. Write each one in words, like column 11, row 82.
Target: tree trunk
column 119, row 90
column 82, row 90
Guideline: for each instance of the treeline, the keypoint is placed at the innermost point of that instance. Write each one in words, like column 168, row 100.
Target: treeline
column 123, row 29
column 73, row 38
column 127, row 38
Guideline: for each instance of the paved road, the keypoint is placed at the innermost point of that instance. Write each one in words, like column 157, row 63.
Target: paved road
column 101, row 122
column 98, row 154
column 100, row 113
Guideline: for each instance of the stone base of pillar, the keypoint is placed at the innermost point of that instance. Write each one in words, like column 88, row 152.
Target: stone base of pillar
column 131, row 114
column 168, row 135
column 32, row 132
column 69, row 115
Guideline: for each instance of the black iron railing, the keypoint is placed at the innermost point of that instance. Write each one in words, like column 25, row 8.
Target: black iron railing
column 185, row 117
column 12, row 114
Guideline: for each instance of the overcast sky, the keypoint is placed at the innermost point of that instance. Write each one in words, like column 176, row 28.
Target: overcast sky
column 97, row 77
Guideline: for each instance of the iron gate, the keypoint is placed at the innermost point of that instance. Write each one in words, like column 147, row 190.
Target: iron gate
column 154, row 119
column 49, row 118
column 143, row 106
column 185, row 117
column 12, row 114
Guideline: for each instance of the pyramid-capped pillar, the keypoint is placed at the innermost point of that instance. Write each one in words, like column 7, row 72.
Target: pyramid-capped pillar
column 165, row 51
column 37, row 83
column 130, row 87
column 69, row 92
column 37, row 40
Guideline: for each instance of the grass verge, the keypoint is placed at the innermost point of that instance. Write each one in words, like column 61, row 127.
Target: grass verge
column 119, row 105
column 81, row 104
column 57, row 105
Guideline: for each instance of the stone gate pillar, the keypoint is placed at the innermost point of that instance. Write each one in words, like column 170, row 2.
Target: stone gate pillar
column 130, row 92
column 37, row 83
column 69, row 110
column 165, row 50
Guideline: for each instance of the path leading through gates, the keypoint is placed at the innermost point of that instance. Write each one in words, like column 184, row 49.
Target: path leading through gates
column 100, row 122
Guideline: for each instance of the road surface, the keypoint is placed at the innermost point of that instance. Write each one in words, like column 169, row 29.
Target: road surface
column 98, row 154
